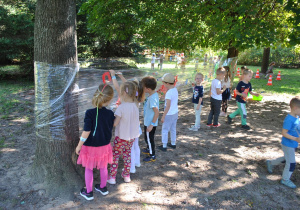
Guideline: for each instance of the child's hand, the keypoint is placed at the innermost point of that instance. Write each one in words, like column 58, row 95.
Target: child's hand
column 119, row 73
column 198, row 107
column 78, row 148
column 162, row 119
column 112, row 72
column 244, row 95
column 224, row 87
column 149, row 128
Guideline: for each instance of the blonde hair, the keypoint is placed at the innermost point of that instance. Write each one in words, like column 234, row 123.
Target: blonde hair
column 103, row 94
column 130, row 88
column 295, row 102
column 199, row 74
column 247, row 71
column 220, row 70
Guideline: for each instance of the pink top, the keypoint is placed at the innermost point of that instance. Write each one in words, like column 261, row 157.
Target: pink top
column 128, row 128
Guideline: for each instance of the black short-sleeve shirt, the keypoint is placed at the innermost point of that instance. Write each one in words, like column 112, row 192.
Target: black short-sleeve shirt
column 104, row 128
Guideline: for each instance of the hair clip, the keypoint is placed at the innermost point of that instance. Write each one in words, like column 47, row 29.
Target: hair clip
column 137, row 93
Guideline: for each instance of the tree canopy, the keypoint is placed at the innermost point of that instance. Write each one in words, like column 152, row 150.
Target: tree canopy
column 184, row 24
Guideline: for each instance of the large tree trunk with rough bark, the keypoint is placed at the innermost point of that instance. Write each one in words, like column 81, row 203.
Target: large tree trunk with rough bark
column 56, row 109
column 232, row 52
column 265, row 60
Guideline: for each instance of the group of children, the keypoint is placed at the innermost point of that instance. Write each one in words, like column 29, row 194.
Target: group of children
column 94, row 148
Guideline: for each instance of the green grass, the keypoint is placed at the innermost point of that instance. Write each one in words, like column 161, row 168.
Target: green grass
column 289, row 84
column 9, row 99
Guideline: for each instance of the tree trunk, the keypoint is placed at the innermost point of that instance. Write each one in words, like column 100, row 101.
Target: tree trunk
column 265, row 60
column 56, row 109
column 232, row 52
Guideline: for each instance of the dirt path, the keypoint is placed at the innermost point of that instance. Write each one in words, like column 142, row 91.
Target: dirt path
column 210, row 169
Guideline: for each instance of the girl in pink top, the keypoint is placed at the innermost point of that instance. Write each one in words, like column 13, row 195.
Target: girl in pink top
column 127, row 129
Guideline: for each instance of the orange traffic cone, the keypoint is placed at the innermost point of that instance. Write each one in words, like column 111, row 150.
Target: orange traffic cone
column 257, row 74
column 278, row 76
column 270, row 81
column 238, row 72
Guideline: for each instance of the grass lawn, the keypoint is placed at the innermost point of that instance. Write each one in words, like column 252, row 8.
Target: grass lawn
column 289, row 84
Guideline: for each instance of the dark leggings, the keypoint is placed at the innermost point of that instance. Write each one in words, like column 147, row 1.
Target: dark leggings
column 225, row 97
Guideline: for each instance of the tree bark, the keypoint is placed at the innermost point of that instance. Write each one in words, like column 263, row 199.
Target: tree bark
column 265, row 60
column 232, row 55
column 56, row 109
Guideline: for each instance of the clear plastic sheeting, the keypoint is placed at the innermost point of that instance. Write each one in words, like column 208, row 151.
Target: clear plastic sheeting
column 64, row 93
column 55, row 98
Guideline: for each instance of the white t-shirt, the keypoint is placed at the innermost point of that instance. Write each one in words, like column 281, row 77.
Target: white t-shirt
column 128, row 128
column 153, row 59
column 214, row 85
column 172, row 95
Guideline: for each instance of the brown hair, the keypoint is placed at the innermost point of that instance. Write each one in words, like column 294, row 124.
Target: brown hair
column 228, row 73
column 149, row 82
column 247, row 71
column 130, row 88
column 140, row 89
column 220, row 70
column 295, row 102
column 103, row 94
column 272, row 63
column 243, row 67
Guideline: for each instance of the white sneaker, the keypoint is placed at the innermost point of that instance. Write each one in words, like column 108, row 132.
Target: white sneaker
column 192, row 127
column 222, row 114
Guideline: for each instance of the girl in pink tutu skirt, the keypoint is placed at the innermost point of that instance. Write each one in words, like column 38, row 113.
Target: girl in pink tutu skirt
column 94, row 148
column 127, row 129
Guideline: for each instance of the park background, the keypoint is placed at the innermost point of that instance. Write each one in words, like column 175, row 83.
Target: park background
column 118, row 38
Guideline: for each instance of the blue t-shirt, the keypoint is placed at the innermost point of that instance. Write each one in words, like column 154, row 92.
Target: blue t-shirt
column 197, row 93
column 150, row 102
column 243, row 88
column 291, row 124
column 104, row 128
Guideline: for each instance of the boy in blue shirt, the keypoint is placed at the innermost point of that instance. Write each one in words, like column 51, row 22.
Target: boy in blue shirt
column 289, row 141
column 151, row 112
column 242, row 89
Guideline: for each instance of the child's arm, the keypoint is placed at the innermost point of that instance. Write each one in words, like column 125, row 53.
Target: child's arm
column 168, row 101
column 117, row 120
column 115, row 82
column 121, row 76
column 84, row 136
column 253, row 93
column 219, row 91
column 288, row 136
column 156, row 114
column 199, row 103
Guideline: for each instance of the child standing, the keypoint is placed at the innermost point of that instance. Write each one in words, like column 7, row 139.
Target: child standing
column 95, row 150
column 127, row 129
column 226, row 94
column 270, row 70
column 151, row 112
column 242, row 89
column 153, row 61
column 290, row 140
column 170, row 116
column 197, row 101
column 216, row 98
column 135, row 150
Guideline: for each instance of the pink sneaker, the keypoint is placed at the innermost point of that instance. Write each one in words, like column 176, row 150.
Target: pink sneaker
column 111, row 180
column 127, row 179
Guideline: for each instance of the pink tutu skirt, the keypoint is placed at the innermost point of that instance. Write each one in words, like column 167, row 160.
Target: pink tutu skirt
column 95, row 157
